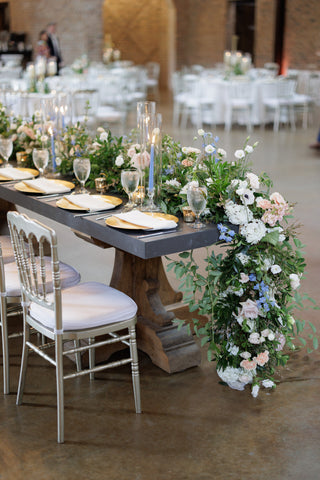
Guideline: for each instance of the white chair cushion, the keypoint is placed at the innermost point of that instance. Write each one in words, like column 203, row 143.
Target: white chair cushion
column 88, row 305
column 7, row 250
column 68, row 275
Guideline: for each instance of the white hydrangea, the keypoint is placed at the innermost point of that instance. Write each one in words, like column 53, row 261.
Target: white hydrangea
column 238, row 214
column 234, row 377
column 254, row 231
column 267, row 383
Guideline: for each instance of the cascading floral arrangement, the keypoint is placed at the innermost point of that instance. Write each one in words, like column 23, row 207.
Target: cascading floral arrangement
column 248, row 293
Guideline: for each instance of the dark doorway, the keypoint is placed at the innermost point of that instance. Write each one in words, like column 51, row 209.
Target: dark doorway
column 244, row 25
column 4, row 17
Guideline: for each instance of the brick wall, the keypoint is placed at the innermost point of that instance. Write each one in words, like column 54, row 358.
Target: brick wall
column 200, row 31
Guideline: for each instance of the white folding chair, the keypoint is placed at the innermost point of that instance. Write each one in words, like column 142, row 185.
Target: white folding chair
column 85, row 311
column 10, row 297
column 239, row 103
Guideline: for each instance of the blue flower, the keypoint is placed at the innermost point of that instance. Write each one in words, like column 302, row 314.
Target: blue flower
column 253, row 278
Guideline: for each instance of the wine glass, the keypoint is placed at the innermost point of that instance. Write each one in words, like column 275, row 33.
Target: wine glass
column 6, row 147
column 130, row 181
column 197, row 200
column 81, row 169
column 40, row 157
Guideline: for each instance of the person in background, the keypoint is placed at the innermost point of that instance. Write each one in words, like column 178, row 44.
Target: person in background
column 42, row 48
column 54, row 44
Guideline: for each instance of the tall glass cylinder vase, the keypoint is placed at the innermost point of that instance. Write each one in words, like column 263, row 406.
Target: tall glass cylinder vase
column 151, row 154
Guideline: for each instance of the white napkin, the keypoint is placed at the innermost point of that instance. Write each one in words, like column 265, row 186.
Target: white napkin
column 146, row 221
column 47, row 186
column 92, row 203
column 14, row 173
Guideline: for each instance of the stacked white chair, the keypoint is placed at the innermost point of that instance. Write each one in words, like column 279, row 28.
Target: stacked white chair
column 85, row 311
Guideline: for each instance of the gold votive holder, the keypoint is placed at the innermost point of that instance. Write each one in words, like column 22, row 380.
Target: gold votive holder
column 22, row 158
column 101, row 184
column 188, row 215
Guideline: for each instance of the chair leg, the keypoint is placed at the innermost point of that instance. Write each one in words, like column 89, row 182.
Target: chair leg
column 92, row 358
column 24, row 362
column 76, row 344
column 5, row 347
column 60, row 392
column 135, row 369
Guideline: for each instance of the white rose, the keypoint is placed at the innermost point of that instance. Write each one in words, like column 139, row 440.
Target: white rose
column 268, row 383
column 253, row 232
column 294, row 281
column 275, row 269
column 255, row 391
column 119, row 161
column 238, row 214
column 103, row 136
column 253, row 180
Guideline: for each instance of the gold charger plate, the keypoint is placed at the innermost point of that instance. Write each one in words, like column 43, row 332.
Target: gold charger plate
column 33, row 172
column 22, row 187
column 64, row 203
column 118, row 223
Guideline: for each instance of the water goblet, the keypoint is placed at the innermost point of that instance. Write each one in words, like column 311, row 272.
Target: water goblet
column 130, row 181
column 197, row 200
column 81, row 169
column 40, row 157
column 6, row 147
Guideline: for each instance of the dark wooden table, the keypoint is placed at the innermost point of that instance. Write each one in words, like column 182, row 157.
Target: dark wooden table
column 138, row 271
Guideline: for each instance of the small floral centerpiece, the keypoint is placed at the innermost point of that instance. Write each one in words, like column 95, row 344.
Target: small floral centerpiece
column 248, row 294
column 74, row 141
column 9, row 125
column 33, row 134
column 80, row 64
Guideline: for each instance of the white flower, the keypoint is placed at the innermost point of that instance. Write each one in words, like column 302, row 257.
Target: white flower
column 247, row 197
column 268, row 383
column 241, row 184
column 174, row 183
column 235, row 377
column 194, row 183
column 239, row 154
column 245, row 355
column 13, row 126
column 294, row 281
column 282, row 238
column 221, row 152
column 103, row 136
column 239, row 319
column 255, row 391
column 291, row 320
column 58, row 161
column 100, row 130
column 243, row 258
column 209, row 181
column 209, row 149
column 253, row 232
column 238, row 214
column 244, row 278
column 265, row 332
column 271, row 336
column 275, row 269
column 248, row 149
column 188, row 150
column 267, row 263
column 37, row 113
column 119, row 161
column 253, row 180
column 233, row 349
column 43, row 138
column 254, row 338
column 200, row 132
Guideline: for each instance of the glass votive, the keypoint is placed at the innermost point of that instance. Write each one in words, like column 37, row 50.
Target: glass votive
column 22, row 158
column 101, row 184
column 188, row 215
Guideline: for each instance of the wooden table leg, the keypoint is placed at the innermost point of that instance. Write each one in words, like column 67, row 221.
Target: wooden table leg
column 145, row 281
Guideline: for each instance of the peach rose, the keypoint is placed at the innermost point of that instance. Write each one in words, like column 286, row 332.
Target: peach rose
column 249, row 309
column 277, row 198
column 262, row 358
column 263, row 203
column 187, row 162
column 141, row 160
column 248, row 364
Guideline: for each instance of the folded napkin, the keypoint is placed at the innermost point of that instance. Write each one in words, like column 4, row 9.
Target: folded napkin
column 146, row 221
column 44, row 185
column 89, row 202
column 14, row 173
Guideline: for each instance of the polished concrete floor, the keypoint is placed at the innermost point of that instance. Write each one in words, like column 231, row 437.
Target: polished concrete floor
column 191, row 428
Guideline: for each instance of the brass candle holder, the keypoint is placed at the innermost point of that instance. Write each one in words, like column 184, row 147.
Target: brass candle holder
column 22, row 158
column 101, row 183
column 188, row 215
